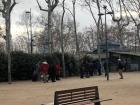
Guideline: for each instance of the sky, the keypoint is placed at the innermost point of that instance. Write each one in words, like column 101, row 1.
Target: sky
column 82, row 16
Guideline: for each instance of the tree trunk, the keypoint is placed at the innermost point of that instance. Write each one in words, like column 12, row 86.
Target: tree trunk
column 120, row 34
column 99, row 34
column 61, row 38
column 98, row 40
column 8, row 45
column 75, row 32
column 49, row 32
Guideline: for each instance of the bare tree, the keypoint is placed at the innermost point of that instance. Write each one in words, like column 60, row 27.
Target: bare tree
column 20, row 43
column 25, row 22
column 134, row 6
column 88, row 39
column 75, row 30
column 122, row 21
column 61, row 37
column 2, row 40
column 89, row 4
column 69, row 38
column 51, row 4
column 68, row 29
column 7, row 7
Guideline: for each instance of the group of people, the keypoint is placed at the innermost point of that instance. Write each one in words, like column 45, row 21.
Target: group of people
column 47, row 72
column 90, row 68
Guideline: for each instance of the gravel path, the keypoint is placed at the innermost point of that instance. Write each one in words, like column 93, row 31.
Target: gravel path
column 123, row 92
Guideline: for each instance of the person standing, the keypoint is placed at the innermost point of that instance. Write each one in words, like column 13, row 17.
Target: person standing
column 58, row 69
column 82, row 68
column 44, row 68
column 52, row 71
column 120, row 68
column 98, row 65
column 105, row 68
column 126, row 65
column 87, row 69
column 36, row 75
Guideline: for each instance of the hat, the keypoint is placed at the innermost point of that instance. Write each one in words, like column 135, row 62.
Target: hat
column 44, row 62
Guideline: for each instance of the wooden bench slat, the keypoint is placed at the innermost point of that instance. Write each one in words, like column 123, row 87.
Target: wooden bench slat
column 73, row 102
column 77, row 94
column 77, row 97
column 76, row 90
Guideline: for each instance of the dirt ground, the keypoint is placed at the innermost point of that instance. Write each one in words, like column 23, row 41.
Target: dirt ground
column 122, row 92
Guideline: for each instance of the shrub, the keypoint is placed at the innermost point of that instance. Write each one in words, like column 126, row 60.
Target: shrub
column 23, row 64
column 3, row 67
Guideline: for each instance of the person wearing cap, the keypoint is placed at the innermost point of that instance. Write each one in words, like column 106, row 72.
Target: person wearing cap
column 120, row 68
column 44, row 67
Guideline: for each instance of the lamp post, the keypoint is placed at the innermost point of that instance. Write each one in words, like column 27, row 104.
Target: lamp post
column 106, row 39
column 31, row 35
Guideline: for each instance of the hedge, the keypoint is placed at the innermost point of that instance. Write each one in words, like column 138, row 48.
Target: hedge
column 23, row 64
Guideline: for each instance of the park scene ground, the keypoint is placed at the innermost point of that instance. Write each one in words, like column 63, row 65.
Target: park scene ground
column 122, row 91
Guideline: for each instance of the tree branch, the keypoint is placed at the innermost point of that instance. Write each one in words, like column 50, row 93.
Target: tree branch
column 54, row 5
column 130, row 14
column 127, row 23
column 90, row 9
column 12, row 6
column 4, row 5
column 69, row 10
column 47, row 1
column 41, row 7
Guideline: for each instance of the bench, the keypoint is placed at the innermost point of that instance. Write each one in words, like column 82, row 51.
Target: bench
column 80, row 96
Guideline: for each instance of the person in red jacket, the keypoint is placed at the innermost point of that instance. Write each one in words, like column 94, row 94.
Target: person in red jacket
column 58, row 69
column 44, row 68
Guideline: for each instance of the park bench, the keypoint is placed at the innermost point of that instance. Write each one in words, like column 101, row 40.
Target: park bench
column 80, row 96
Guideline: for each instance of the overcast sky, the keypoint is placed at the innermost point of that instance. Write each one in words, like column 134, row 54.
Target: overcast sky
column 83, row 17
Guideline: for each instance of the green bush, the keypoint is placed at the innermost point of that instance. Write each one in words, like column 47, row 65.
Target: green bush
column 23, row 64
column 3, row 67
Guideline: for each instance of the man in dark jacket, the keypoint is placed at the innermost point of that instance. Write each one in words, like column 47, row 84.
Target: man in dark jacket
column 58, row 69
column 98, row 65
column 105, row 68
column 120, row 68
